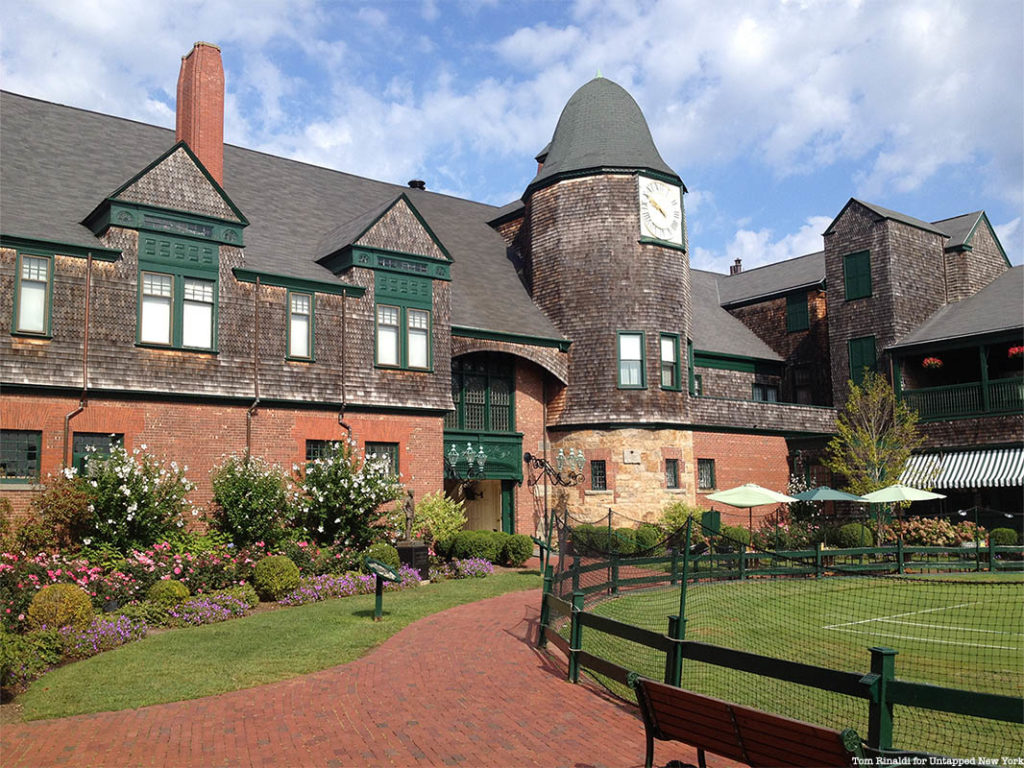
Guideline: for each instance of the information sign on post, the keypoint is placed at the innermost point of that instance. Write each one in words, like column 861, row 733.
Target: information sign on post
column 383, row 572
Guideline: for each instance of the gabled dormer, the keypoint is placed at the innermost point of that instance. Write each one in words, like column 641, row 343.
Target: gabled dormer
column 974, row 255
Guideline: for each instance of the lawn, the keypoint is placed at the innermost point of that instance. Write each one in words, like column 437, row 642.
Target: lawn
column 960, row 632
column 182, row 664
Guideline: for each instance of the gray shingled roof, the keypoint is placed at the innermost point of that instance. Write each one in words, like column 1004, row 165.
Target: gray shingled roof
column 59, row 163
column 772, row 279
column 885, row 213
column 714, row 329
column 959, row 228
column 997, row 307
column 601, row 126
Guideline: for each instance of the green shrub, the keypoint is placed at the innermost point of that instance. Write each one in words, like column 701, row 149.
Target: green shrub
column 385, row 553
column 443, row 547
column 500, row 540
column 647, row 538
column 64, row 510
column 853, row 535
column 673, row 521
column 25, row 657
column 243, row 592
column 438, row 518
column 154, row 614
column 167, row 592
column 467, row 544
column 33, row 535
column 1003, row 537
column 518, row 549
column 734, row 535
column 251, row 499
column 60, row 605
column 274, row 577
column 625, row 541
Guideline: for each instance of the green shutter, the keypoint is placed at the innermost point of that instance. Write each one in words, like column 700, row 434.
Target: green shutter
column 862, row 355
column 797, row 318
column 857, row 275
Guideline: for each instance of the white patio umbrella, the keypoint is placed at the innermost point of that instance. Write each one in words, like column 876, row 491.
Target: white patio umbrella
column 895, row 493
column 749, row 496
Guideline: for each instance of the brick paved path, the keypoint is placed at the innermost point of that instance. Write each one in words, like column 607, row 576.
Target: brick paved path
column 464, row 687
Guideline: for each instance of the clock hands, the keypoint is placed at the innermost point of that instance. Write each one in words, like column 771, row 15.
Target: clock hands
column 654, row 202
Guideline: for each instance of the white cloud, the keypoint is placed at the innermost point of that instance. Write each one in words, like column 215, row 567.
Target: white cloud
column 1011, row 235
column 756, row 248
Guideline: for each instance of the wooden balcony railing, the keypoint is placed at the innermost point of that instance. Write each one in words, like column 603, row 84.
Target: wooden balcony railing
column 974, row 398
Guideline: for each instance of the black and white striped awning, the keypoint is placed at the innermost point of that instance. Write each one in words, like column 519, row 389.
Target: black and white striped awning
column 991, row 468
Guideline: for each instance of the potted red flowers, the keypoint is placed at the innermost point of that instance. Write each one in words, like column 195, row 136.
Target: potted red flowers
column 933, row 363
column 1015, row 353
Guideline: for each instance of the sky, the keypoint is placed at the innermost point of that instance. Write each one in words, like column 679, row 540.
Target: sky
column 774, row 113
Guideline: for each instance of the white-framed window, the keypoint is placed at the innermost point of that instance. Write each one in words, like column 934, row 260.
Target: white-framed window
column 631, row 360
column 388, row 335
column 197, row 313
column 300, row 325
column 418, row 334
column 33, row 299
column 669, row 361
column 155, row 325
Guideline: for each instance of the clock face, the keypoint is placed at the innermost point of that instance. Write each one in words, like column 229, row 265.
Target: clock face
column 661, row 211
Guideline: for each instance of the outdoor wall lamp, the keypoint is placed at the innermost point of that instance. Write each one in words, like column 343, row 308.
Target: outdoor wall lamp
column 567, row 471
column 475, row 460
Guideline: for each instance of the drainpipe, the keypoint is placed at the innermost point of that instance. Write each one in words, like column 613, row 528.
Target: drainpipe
column 82, row 401
column 255, row 369
column 344, row 324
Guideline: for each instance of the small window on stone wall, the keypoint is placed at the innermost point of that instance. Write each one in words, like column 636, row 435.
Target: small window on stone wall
column 671, row 473
column 598, row 476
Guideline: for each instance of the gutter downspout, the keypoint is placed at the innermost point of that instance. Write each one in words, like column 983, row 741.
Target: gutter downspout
column 82, row 401
column 344, row 324
column 255, row 369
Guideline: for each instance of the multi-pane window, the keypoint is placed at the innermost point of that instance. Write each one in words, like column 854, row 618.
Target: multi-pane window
column 387, row 335
column 857, row 275
column 483, row 394
column 177, row 311
column 300, row 325
column 705, row 474
column 862, row 357
column 802, row 385
column 319, row 449
column 418, row 336
column 598, row 475
column 671, row 473
column 157, row 304
column 631, row 360
column 386, row 452
column 765, row 393
column 197, row 313
column 88, row 445
column 19, row 455
column 797, row 318
column 698, row 384
column 33, row 295
column 669, row 361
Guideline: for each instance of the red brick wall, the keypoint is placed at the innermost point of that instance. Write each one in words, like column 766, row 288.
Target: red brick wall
column 740, row 459
column 200, row 434
column 530, row 421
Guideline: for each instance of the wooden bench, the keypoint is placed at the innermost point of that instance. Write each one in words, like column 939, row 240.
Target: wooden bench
column 742, row 734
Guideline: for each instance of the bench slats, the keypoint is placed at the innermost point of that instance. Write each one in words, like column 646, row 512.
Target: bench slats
column 755, row 738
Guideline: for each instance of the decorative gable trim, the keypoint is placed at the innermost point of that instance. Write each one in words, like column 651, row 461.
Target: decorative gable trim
column 966, row 246
column 401, row 224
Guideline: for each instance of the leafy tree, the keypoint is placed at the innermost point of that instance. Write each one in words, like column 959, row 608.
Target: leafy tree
column 876, row 433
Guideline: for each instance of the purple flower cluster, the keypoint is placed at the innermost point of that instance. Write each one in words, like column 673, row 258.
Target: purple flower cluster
column 471, row 568
column 208, row 609
column 103, row 634
column 327, row 586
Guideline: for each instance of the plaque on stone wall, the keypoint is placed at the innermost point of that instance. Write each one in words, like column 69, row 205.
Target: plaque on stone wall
column 630, row 456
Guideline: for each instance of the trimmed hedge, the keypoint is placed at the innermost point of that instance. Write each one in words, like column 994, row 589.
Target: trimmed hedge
column 167, row 592
column 385, row 553
column 518, row 549
column 853, row 535
column 60, row 605
column 1003, row 537
column 274, row 577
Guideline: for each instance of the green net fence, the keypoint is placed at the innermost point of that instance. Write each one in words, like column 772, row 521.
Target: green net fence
column 962, row 629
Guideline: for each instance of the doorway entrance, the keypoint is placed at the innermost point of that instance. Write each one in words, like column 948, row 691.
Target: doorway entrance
column 489, row 504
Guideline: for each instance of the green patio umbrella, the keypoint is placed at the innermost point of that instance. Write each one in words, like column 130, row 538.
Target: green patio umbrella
column 749, row 496
column 824, row 493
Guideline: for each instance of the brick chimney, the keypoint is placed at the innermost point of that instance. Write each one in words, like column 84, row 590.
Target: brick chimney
column 736, row 268
column 200, row 122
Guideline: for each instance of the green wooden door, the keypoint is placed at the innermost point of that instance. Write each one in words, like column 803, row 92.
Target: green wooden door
column 508, row 506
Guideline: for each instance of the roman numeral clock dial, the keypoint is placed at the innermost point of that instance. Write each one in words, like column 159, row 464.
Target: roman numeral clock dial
column 661, row 211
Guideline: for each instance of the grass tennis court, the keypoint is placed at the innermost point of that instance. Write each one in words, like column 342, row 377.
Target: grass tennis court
column 957, row 631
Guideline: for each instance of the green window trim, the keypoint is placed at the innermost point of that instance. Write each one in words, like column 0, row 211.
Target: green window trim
column 404, row 324
column 863, row 355
column 483, row 392
column 670, row 367
column 705, row 474
column 698, row 385
column 185, row 292
column 857, row 275
column 86, row 445
column 388, row 451
column 691, row 376
column 20, row 451
column 764, row 393
column 598, row 475
column 27, row 273
column 797, row 316
column 631, row 371
column 301, row 306
column 672, row 473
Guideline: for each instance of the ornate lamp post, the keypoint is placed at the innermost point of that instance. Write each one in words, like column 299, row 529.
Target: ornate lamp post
column 474, row 461
column 566, row 472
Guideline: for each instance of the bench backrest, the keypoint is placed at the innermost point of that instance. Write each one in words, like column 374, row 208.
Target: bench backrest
column 747, row 735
